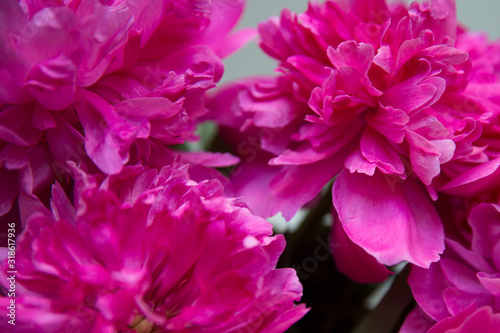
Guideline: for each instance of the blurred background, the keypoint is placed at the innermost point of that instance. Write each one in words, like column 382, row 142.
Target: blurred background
column 477, row 15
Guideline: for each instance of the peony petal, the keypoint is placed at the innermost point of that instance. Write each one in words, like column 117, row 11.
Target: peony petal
column 107, row 137
column 402, row 223
column 474, row 180
column 60, row 205
column 352, row 260
column 15, row 125
column 9, row 183
column 470, row 320
column 209, row 159
column 377, row 150
column 427, row 286
column 484, row 220
column 417, row 321
column 288, row 198
column 52, row 82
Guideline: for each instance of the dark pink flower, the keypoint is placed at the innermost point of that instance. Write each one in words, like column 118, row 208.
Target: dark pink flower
column 376, row 94
column 104, row 82
column 148, row 251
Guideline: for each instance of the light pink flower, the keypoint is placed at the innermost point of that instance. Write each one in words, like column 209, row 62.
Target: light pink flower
column 372, row 93
column 145, row 250
column 104, row 82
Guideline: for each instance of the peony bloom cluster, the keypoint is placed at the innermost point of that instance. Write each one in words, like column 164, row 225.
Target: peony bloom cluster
column 113, row 233
column 394, row 102
column 149, row 251
column 107, row 83
column 394, row 108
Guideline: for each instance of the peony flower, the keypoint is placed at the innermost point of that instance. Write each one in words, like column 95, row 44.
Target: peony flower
column 373, row 94
column 468, row 274
column 149, row 251
column 103, row 82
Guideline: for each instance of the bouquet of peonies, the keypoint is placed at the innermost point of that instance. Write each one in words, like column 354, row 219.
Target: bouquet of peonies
column 379, row 133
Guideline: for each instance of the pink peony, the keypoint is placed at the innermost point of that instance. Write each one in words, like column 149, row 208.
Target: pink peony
column 103, row 82
column 468, row 273
column 144, row 251
column 371, row 93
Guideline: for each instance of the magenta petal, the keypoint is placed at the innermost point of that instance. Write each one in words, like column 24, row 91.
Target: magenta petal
column 288, row 197
column 233, row 42
column 223, row 17
column 389, row 121
column 377, row 150
column 107, row 136
column 311, row 68
column 65, row 144
column 9, row 183
column 470, row 320
column 356, row 162
column 52, row 82
column 475, row 180
column 117, row 306
column 491, row 282
column 415, row 93
column 401, row 220
column 444, row 23
column 426, row 286
column 29, row 205
column 209, row 159
column 424, row 157
column 352, row 260
column 112, row 24
column 42, row 119
column 15, row 125
column 417, row 321
column 274, row 112
column 484, row 220
column 269, row 189
column 147, row 16
column 148, row 107
column 60, row 204
column 350, row 54
column 251, row 181
column 13, row 67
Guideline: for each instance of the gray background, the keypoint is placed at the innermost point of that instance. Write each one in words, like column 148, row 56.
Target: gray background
column 477, row 15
